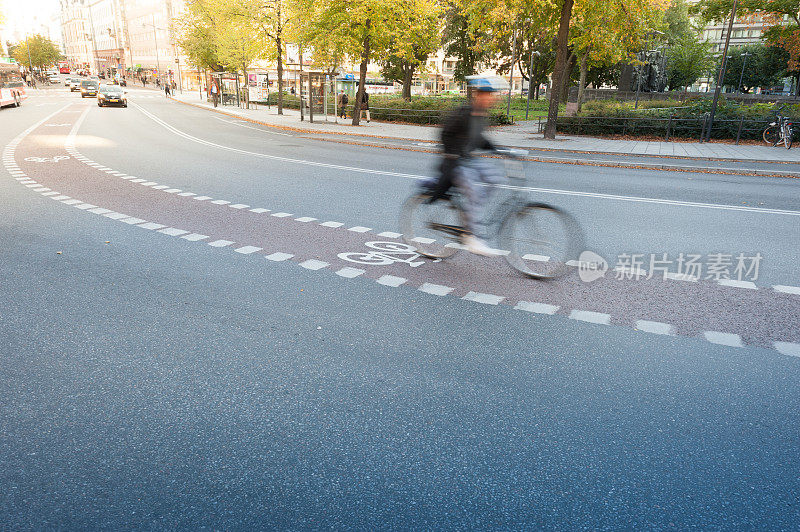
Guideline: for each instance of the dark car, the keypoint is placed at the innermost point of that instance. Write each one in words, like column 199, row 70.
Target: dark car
column 111, row 95
column 89, row 88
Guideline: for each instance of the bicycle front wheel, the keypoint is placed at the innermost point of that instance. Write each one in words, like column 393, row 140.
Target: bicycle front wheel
column 431, row 226
column 540, row 239
column 771, row 135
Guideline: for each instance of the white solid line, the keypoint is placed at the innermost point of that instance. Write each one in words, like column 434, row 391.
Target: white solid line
column 787, row 289
column 220, row 243
column 331, row 224
column 722, row 338
column 314, row 264
column 390, row 234
column 171, row 231
column 788, row 348
column 486, row 299
column 590, row 317
column 305, row 219
column 538, row 308
column 201, row 198
column 278, row 257
column 238, row 206
column 391, row 280
column 435, row 289
column 151, row 226
column 246, row 250
column 194, row 237
column 359, row 229
column 655, row 327
column 350, row 273
column 281, row 214
column 219, row 202
column 737, row 284
column 132, row 220
column 259, row 210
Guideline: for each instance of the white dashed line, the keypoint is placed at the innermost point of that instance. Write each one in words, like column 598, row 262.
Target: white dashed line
column 84, row 206
column 655, row 327
column 201, row 198
column 281, row 214
column 305, row 219
column 787, row 289
column 539, row 258
column 100, row 210
column 787, row 348
column 486, row 299
column 149, row 184
column 116, row 215
column 132, row 220
column 737, row 284
column 151, row 226
column 159, row 187
column 187, row 194
column 50, row 193
column 423, row 240
column 172, row 190
column 331, row 224
column 194, row 237
column 590, row 317
column 171, row 231
column 138, row 180
column 259, row 210
column 279, row 257
column 721, row 338
column 390, row 234
column 681, row 277
column 435, row 289
column 41, row 189
column 538, row 308
column 219, row 202
column 391, row 280
column 238, row 206
column 220, row 243
column 246, row 250
column 360, row 229
column 314, row 264
column 350, row 273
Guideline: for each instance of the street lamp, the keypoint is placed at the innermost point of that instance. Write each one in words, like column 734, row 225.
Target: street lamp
column 741, row 76
column 718, row 90
column 155, row 39
column 530, row 80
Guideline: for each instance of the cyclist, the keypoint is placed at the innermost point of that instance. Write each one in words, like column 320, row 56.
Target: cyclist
column 462, row 137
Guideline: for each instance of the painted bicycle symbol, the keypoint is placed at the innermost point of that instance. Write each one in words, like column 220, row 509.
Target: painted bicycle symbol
column 47, row 159
column 385, row 253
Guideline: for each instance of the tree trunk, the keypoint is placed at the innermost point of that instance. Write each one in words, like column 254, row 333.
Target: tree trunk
column 279, row 44
column 408, row 76
column 559, row 72
column 362, row 79
column 567, row 74
column 582, row 82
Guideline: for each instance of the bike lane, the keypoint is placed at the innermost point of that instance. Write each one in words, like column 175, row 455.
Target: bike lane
column 48, row 161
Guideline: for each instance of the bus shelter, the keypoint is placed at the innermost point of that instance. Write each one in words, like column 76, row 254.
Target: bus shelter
column 227, row 84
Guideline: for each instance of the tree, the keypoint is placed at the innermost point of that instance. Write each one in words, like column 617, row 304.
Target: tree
column 559, row 71
column 36, row 52
column 687, row 59
column 236, row 45
column 766, row 66
column 413, row 42
column 197, row 31
column 460, row 37
column 362, row 29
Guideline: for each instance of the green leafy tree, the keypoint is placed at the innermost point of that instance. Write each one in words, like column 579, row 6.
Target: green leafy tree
column 460, row 37
column 197, row 31
column 765, row 67
column 36, row 51
column 414, row 40
column 687, row 59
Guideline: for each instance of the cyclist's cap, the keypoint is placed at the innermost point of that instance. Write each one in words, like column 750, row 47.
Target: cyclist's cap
column 487, row 83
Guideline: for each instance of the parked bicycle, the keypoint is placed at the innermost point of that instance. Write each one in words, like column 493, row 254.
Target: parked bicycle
column 779, row 131
column 536, row 239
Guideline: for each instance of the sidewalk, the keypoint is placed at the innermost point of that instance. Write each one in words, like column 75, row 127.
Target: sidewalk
column 518, row 135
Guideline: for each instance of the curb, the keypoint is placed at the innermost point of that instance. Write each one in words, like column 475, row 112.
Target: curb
column 542, row 159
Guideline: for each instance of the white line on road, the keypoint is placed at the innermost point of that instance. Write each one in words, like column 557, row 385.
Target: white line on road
column 194, row 237
column 246, row 250
column 220, row 243
column 435, row 289
column 350, row 273
column 538, row 308
column 171, row 231
column 722, row 338
column 314, row 264
column 655, row 327
column 279, row 257
column 590, row 317
column 391, row 280
column 486, row 299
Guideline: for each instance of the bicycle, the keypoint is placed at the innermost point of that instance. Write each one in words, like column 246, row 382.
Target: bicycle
column 536, row 239
column 779, row 131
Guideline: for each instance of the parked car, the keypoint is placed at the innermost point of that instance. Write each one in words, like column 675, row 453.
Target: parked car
column 89, row 88
column 111, row 95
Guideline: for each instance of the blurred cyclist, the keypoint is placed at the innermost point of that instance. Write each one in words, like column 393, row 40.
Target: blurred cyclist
column 462, row 137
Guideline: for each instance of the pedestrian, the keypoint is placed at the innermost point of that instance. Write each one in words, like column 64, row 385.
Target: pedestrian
column 342, row 103
column 365, row 104
column 166, row 89
column 214, row 95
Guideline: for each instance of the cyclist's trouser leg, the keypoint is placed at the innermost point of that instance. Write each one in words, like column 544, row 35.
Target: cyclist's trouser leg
column 470, row 176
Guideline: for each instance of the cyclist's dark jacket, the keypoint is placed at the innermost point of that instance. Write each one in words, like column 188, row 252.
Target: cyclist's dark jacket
column 462, row 134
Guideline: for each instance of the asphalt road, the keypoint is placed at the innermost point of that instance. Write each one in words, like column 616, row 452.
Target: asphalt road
column 151, row 380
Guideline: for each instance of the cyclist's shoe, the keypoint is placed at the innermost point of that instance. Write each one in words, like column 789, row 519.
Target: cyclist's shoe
column 477, row 246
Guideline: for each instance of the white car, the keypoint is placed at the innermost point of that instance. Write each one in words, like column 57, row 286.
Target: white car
column 54, row 78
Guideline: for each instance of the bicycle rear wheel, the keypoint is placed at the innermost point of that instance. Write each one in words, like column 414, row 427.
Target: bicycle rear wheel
column 430, row 226
column 771, row 135
column 540, row 239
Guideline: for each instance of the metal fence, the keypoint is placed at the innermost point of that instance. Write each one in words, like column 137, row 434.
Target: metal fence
column 666, row 127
